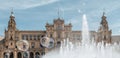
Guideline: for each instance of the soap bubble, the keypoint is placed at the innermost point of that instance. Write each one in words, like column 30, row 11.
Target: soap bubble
column 22, row 45
column 47, row 42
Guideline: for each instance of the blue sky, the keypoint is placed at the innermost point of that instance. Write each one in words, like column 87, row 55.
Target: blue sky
column 33, row 14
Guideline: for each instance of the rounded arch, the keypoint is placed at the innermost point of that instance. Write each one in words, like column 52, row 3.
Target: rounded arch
column 31, row 55
column 11, row 55
column 37, row 55
column 5, row 55
column 19, row 55
column 25, row 54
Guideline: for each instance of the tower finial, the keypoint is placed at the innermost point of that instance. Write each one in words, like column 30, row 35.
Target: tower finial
column 58, row 13
column 104, row 12
column 12, row 14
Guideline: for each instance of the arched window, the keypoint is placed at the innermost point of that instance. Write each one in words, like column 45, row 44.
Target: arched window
column 11, row 43
column 19, row 55
column 37, row 55
column 31, row 55
column 5, row 55
column 38, row 37
column 26, row 37
column 23, row 37
column 58, row 44
column 35, row 37
column 30, row 37
column 11, row 55
column 25, row 55
column 32, row 45
column 11, row 38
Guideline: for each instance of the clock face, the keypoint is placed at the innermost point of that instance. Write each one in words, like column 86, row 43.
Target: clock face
column 22, row 45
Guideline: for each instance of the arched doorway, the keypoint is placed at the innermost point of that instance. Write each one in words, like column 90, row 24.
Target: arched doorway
column 37, row 55
column 58, row 44
column 19, row 55
column 5, row 55
column 11, row 55
column 31, row 55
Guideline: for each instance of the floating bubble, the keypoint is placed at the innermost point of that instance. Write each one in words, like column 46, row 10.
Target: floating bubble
column 44, row 41
column 22, row 45
column 47, row 42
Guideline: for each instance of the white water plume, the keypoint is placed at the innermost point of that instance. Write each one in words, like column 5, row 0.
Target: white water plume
column 84, row 49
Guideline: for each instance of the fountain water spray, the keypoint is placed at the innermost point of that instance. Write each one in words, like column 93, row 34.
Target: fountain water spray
column 85, row 31
column 69, row 50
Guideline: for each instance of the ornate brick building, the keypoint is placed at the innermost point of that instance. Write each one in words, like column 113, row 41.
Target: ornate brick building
column 58, row 31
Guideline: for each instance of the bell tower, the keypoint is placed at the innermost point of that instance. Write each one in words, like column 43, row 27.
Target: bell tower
column 104, row 34
column 12, row 23
column 11, row 26
column 104, row 23
column 10, row 32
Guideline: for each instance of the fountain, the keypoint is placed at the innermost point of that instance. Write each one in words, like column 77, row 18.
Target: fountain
column 85, row 31
column 86, row 49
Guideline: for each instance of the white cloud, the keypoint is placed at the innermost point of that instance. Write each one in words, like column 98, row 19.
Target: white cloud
column 23, row 4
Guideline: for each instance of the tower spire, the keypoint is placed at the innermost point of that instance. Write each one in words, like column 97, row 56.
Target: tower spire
column 58, row 12
column 103, row 16
column 12, row 14
column 11, row 22
column 103, row 13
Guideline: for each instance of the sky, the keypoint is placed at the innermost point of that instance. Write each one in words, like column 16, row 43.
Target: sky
column 33, row 14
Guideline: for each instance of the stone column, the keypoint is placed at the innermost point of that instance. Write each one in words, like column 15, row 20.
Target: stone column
column 22, row 54
column 15, row 54
column 2, row 55
column 34, row 54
